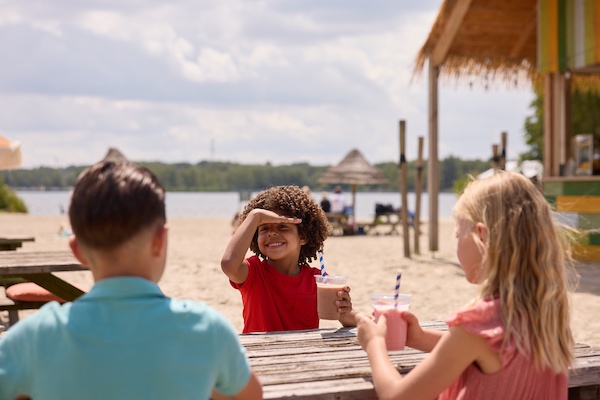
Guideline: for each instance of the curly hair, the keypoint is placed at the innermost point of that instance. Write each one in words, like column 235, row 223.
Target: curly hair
column 292, row 201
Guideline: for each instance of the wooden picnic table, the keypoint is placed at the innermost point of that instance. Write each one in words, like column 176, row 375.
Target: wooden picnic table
column 321, row 364
column 38, row 267
column 12, row 242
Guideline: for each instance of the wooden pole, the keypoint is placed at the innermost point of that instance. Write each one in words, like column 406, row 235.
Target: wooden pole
column 503, row 151
column 433, row 163
column 495, row 157
column 404, row 189
column 418, row 190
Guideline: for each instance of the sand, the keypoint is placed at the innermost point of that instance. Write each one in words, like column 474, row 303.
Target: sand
column 436, row 281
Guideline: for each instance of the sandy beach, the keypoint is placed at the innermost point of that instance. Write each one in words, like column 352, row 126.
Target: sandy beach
column 436, row 281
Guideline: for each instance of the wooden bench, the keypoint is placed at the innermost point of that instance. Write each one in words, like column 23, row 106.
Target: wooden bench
column 386, row 219
column 340, row 224
column 13, row 308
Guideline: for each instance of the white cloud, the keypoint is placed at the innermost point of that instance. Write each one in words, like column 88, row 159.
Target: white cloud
column 245, row 81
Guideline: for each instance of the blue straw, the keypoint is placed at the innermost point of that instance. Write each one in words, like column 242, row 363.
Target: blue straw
column 397, row 288
column 322, row 264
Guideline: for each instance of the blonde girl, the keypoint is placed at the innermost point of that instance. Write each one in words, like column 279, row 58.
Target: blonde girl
column 513, row 341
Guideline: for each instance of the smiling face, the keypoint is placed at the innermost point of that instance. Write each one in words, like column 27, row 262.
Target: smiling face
column 470, row 248
column 280, row 241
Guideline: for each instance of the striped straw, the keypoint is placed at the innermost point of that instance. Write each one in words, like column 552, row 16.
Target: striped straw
column 322, row 264
column 397, row 288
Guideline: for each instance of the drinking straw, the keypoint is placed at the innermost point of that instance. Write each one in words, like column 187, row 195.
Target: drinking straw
column 322, row 264
column 397, row 288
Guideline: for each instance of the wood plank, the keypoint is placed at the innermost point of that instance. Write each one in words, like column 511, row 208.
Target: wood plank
column 19, row 263
column 581, row 204
column 330, row 364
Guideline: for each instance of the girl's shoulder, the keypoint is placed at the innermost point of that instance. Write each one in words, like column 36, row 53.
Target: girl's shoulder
column 481, row 319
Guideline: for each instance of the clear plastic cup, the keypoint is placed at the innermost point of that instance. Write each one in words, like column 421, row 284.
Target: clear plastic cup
column 327, row 294
column 395, row 337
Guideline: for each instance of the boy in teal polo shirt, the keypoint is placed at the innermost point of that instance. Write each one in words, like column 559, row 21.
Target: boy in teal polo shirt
column 124, row 339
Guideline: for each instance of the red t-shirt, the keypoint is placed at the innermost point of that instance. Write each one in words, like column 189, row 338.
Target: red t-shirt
column 277, row 302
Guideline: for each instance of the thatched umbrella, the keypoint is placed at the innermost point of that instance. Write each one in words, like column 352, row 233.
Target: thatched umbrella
column 353, row 170
column 114, row 155
column 10, row 154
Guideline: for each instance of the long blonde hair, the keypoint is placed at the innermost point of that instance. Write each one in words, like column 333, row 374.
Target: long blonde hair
column 525, row 264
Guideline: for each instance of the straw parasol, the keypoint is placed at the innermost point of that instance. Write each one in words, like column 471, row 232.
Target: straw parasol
column 114, row 155
column 353, row 170
column 10, row 154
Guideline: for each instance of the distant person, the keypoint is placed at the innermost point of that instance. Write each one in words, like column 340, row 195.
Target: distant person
column 124, row 339
column 513, row 341
column 306, row 189
column 325, row 203
column 338, row 201
column 284, row 228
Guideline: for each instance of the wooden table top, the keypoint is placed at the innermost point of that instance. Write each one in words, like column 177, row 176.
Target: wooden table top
column 330, row 364
column 18, row 263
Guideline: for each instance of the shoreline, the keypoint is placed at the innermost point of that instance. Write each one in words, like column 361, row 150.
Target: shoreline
column 436, row 281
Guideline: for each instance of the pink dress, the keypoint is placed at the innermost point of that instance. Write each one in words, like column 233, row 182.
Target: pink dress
column 518, row 378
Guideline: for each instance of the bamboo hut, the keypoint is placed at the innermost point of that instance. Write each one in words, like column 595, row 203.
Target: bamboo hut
column 551, row 45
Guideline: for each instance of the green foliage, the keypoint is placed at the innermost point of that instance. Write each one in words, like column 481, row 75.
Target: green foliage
column 585, row 118
column 208, row 176
column 9, row 201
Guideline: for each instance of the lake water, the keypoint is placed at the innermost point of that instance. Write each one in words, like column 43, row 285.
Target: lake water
column 226, row 204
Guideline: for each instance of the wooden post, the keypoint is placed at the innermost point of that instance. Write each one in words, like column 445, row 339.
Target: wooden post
column 404, row 189
column 495, row 157
column 433, row 163
column 503, row 153
column 418, row 190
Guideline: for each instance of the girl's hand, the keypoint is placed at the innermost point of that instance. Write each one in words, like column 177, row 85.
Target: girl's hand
column 414, row 333
column 368, row 330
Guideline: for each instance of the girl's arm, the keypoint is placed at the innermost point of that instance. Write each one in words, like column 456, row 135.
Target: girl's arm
column 233, row 261
column 419, row 338
column 455, row 351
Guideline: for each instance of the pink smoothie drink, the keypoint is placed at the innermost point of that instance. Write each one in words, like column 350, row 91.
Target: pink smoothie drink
column 395, row 337
column 327, row 294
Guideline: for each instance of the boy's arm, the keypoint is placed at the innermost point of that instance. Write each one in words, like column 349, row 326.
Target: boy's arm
column 233, row 261
column 252, row 391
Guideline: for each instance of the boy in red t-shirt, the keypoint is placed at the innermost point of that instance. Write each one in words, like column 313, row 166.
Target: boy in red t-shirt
column 285, row 228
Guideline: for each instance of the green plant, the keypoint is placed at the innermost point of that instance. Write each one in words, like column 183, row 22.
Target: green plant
column 9, row 201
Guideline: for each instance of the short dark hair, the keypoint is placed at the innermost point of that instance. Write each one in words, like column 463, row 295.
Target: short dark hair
column 292, row 201
column 114, row 201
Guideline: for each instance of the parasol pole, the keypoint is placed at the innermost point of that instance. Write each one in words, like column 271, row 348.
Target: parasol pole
column 353, row 186
column 418, row 190
column 404, row 189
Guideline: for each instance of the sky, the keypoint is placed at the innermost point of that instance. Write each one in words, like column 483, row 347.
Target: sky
column 245, row 81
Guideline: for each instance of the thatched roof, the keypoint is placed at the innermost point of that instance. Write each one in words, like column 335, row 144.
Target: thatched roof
column 114, row 155
column 483, row 40
column 354, row 169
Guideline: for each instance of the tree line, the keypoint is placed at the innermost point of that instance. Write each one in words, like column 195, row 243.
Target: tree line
column 207, row 176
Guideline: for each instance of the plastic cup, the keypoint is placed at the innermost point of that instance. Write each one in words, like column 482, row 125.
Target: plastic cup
column 327, row 294
column 395, row 337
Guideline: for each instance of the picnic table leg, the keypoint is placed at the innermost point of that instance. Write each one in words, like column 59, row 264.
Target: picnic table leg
column 54, row 284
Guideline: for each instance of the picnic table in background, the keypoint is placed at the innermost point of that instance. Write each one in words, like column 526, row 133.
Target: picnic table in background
column 320, row 364
column 37, row 267
column 12, row 242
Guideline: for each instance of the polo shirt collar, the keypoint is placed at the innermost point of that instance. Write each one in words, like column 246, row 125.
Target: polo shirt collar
column 123, row 287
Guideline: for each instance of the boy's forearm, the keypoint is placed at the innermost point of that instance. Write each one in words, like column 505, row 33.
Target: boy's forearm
column 238, row 246
column 348, row 319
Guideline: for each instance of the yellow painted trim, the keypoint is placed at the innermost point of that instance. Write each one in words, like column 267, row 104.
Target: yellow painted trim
column 586, row 253
column 581, row 204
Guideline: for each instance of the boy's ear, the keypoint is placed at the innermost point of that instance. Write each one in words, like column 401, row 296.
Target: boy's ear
column 159, row 240
column 74, row 245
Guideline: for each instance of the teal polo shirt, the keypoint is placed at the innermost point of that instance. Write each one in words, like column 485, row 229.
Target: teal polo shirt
column 123, row 340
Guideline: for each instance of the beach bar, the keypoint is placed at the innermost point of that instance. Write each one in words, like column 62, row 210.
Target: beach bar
column 551, row 45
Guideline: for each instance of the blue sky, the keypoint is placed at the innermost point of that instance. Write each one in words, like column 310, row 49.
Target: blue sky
column 248, row 81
